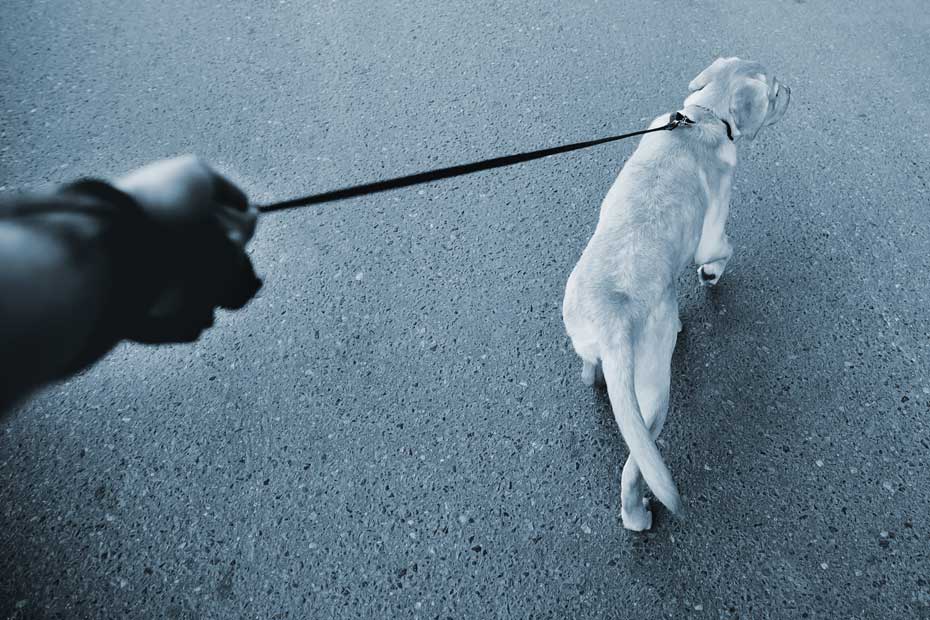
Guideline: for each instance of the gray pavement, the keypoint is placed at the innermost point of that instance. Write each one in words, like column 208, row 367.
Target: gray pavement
column 395, row 428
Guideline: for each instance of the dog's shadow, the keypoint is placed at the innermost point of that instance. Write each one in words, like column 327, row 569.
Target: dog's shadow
column 720, row 403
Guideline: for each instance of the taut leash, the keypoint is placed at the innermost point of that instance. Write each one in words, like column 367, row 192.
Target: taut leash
column 674, row 121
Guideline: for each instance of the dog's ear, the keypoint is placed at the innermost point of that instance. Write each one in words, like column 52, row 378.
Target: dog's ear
column 749, row 105
column 707, row 76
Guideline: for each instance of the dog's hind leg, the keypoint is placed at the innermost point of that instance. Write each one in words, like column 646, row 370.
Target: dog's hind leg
column 587, row 349
column 653, row 359
column 592, row 373
column 634, row 508
column 588, row 372
column 599, row 376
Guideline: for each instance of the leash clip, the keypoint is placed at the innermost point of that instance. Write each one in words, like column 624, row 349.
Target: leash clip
column 677, row 118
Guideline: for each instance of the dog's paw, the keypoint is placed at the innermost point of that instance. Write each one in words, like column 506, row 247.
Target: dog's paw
column 707, row 276
column 639, row 519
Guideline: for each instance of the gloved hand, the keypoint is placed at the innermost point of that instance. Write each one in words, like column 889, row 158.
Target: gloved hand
column 205, row 222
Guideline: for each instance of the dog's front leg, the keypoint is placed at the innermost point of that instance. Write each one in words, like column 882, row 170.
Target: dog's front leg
column 714, row 249
column 714, row 261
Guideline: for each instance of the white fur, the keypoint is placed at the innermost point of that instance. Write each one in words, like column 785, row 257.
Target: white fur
column 668, row 207
column 727, row 153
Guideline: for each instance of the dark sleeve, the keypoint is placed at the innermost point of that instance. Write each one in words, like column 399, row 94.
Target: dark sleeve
column 122, row 234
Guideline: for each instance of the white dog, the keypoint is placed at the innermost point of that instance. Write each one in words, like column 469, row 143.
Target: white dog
column 668, row 206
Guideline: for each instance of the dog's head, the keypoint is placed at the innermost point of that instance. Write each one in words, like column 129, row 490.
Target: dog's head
column 742, row 93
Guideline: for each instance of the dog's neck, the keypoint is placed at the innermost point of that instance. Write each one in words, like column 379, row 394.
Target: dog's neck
column 712, row 125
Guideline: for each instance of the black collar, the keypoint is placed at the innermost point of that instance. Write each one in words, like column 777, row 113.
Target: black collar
column 711, row 112
column 729, row 129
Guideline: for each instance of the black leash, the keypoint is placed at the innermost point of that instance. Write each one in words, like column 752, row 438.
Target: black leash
column 674, row 121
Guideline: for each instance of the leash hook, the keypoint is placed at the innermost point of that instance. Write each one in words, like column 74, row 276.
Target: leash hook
column 677, row 118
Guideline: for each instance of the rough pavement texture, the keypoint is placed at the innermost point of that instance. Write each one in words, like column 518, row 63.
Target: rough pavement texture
column 396, row 427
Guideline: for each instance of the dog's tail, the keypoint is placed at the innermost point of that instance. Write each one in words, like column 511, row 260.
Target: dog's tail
column 617, row 363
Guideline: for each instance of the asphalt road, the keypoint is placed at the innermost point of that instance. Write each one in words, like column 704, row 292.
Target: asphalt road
column 396, row 427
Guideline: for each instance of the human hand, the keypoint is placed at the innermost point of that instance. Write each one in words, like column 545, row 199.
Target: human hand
column 205, row 222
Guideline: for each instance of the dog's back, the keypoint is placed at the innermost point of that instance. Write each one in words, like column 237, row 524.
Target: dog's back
column 649, row 226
